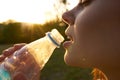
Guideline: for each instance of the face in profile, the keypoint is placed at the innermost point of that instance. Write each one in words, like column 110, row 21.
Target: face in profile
column 94, row 33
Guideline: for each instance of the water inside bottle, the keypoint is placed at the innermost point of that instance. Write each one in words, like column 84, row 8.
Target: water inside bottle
column 42, row 51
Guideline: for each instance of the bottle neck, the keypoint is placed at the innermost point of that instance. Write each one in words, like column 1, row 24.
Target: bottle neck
column 54, row 41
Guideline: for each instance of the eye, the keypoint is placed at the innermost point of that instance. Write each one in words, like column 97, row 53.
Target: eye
column 85, row 2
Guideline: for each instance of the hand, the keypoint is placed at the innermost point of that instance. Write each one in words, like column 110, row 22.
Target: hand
column 8, row 52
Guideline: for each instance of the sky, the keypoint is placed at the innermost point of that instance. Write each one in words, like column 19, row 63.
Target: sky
column 32, row 11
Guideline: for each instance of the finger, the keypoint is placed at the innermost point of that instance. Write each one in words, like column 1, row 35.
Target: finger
column 2, row 57
column 11, row 50
column 8, row 52
column 18, row 46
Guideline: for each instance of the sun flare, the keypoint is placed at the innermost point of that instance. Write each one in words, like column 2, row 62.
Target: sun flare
column 32, row 11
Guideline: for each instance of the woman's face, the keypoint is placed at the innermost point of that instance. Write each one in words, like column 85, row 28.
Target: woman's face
column 94, row 32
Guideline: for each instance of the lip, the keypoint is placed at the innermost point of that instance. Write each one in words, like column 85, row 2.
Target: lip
column 66, row 44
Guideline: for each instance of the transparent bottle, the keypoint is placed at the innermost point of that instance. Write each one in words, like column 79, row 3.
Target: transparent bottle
column 29, row 60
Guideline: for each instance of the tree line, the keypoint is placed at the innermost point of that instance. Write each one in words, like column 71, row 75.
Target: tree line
column 17, row 32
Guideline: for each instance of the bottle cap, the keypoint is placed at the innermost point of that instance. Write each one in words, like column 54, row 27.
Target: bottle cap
column 55, row 37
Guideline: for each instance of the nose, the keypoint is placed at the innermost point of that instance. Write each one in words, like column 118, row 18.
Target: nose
column 68, row 17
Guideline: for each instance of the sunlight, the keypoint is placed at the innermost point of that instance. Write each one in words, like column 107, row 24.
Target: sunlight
column 31, row 11
column 72, row 3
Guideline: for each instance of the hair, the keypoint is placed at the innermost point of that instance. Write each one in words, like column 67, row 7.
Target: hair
column 98, row 75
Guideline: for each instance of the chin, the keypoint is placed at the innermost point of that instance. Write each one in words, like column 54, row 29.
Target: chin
column 75, row 62
column 69, row 60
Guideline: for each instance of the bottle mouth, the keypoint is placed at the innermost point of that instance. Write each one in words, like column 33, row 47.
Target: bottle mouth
column 52, row 39
column 56, row 34
column 55, row 37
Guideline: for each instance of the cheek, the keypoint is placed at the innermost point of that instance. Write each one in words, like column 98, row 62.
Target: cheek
column 88, row 37
column 95, row 40
column 88, row 26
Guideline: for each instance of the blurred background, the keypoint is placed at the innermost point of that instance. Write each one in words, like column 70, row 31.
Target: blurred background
column 23, row 21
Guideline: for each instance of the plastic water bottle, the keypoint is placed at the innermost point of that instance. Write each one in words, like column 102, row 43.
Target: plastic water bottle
column 29, row 60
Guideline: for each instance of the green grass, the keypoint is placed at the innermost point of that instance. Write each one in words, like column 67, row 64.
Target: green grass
column 56, row 69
